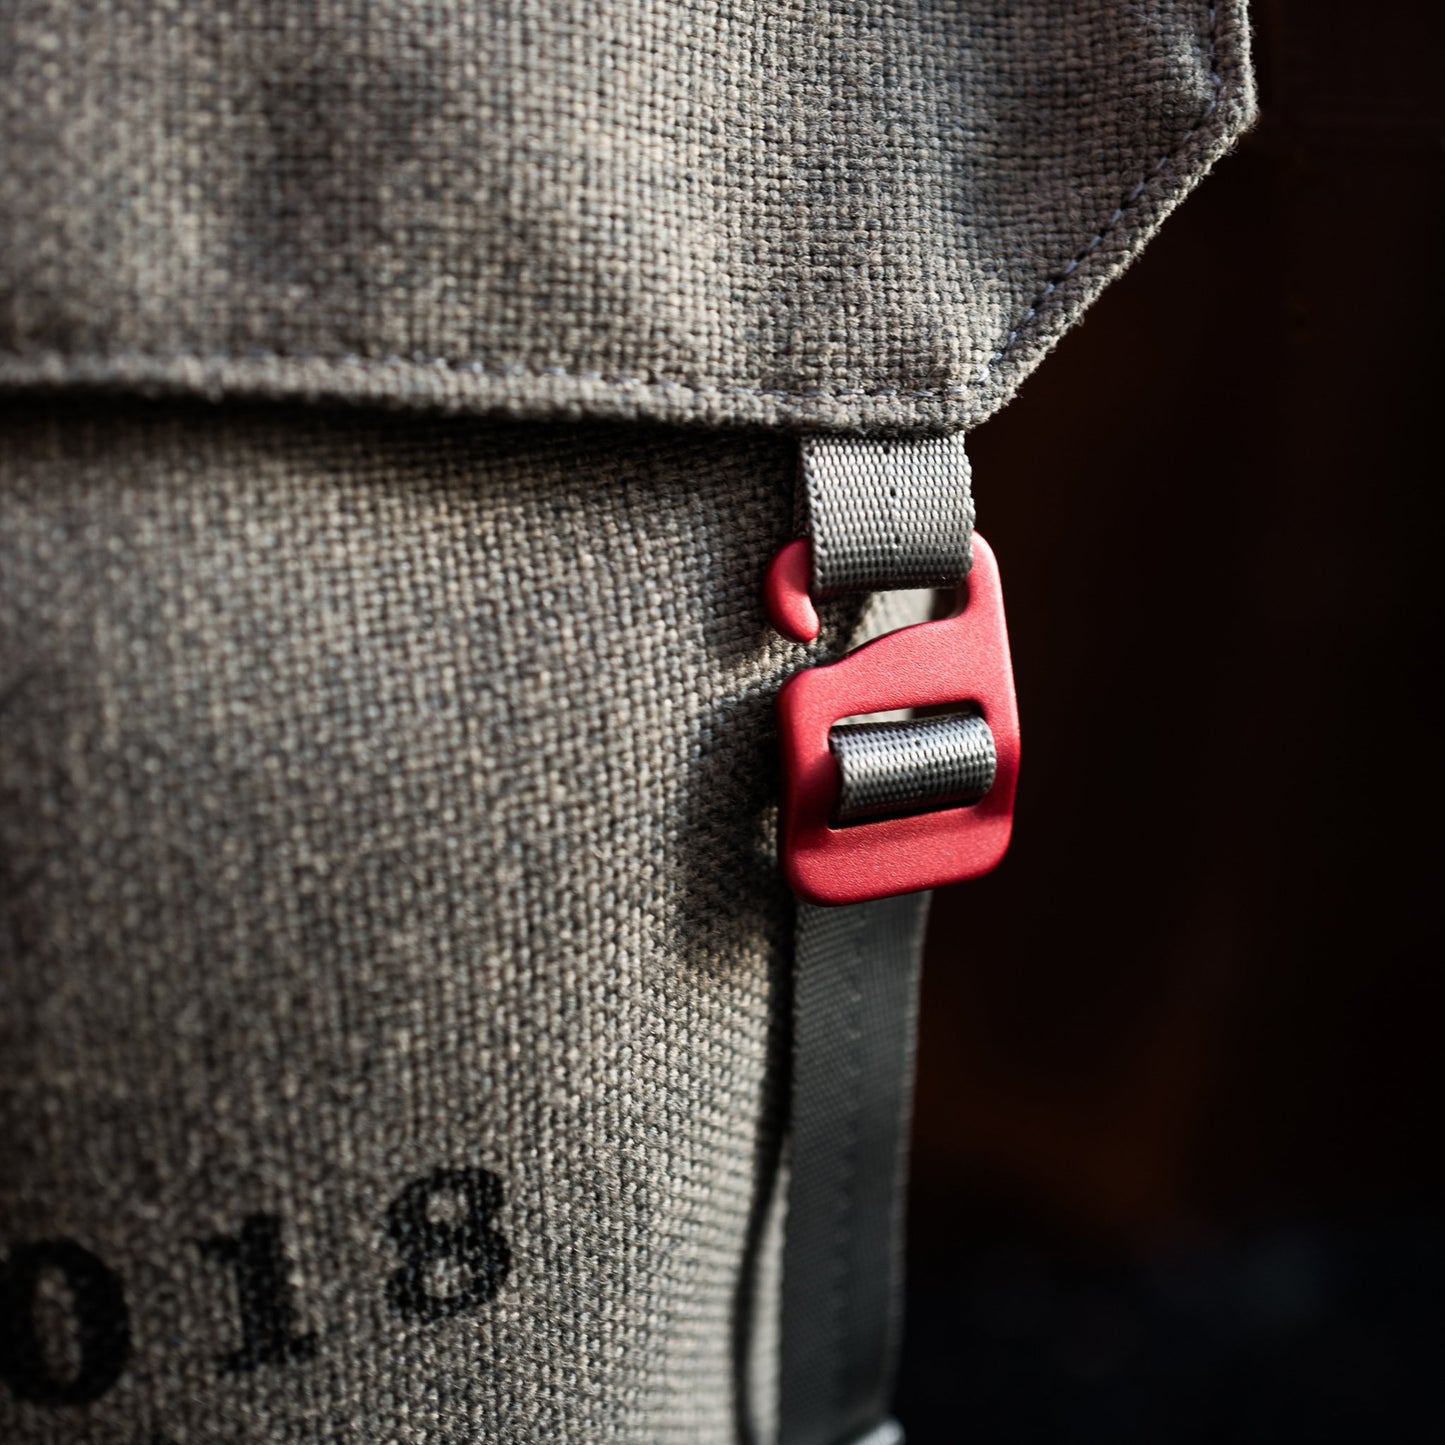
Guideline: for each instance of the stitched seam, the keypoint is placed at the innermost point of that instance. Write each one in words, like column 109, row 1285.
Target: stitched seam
column 1053, row 287
column 1055, row 282
column 479, row 368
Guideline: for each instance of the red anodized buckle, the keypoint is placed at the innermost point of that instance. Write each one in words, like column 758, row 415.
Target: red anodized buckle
column 960, row 659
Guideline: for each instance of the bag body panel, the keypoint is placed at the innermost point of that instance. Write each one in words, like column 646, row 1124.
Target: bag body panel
column 382, row 800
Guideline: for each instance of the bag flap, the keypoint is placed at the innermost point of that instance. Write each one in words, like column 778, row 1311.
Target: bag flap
column 837, row 215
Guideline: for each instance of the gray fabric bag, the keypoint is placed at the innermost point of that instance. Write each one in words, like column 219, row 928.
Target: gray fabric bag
column 399, row 404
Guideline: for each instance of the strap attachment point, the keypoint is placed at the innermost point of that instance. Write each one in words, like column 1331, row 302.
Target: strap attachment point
column 962, row 659
column 786, row 593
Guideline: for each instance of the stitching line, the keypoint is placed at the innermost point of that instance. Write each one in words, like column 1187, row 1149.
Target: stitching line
column 1053, row 286
column 1056, row 281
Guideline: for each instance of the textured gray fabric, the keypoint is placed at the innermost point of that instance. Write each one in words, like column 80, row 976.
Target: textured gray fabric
column 886, row 513
column 885, row 767
column 393, row 942
column 816, row 213
column 856, row 1017
column 381, row 801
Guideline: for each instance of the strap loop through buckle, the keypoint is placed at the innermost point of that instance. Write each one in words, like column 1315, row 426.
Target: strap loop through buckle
column 961, row 659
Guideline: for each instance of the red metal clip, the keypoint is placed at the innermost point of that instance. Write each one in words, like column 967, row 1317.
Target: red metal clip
column 960, row 659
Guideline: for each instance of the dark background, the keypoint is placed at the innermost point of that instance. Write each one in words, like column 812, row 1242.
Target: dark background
column 1177, row 1157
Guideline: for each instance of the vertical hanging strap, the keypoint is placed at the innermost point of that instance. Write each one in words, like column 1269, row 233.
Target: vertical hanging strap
column 855, row 1014
column 882, row 514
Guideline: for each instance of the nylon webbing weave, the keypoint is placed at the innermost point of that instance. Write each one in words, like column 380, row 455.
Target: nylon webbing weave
column 887, row 513
column 855, row 1010
column 889, row 767
column 883, row 515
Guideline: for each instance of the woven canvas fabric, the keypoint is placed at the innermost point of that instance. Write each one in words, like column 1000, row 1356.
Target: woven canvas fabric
column 392, row 932
column 393, row 951
column 804, row 213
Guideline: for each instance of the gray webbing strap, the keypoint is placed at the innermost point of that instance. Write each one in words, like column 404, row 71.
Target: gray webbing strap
column 887, row 513
column 855, row 1011
column 883, row 514
column 890, row 766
